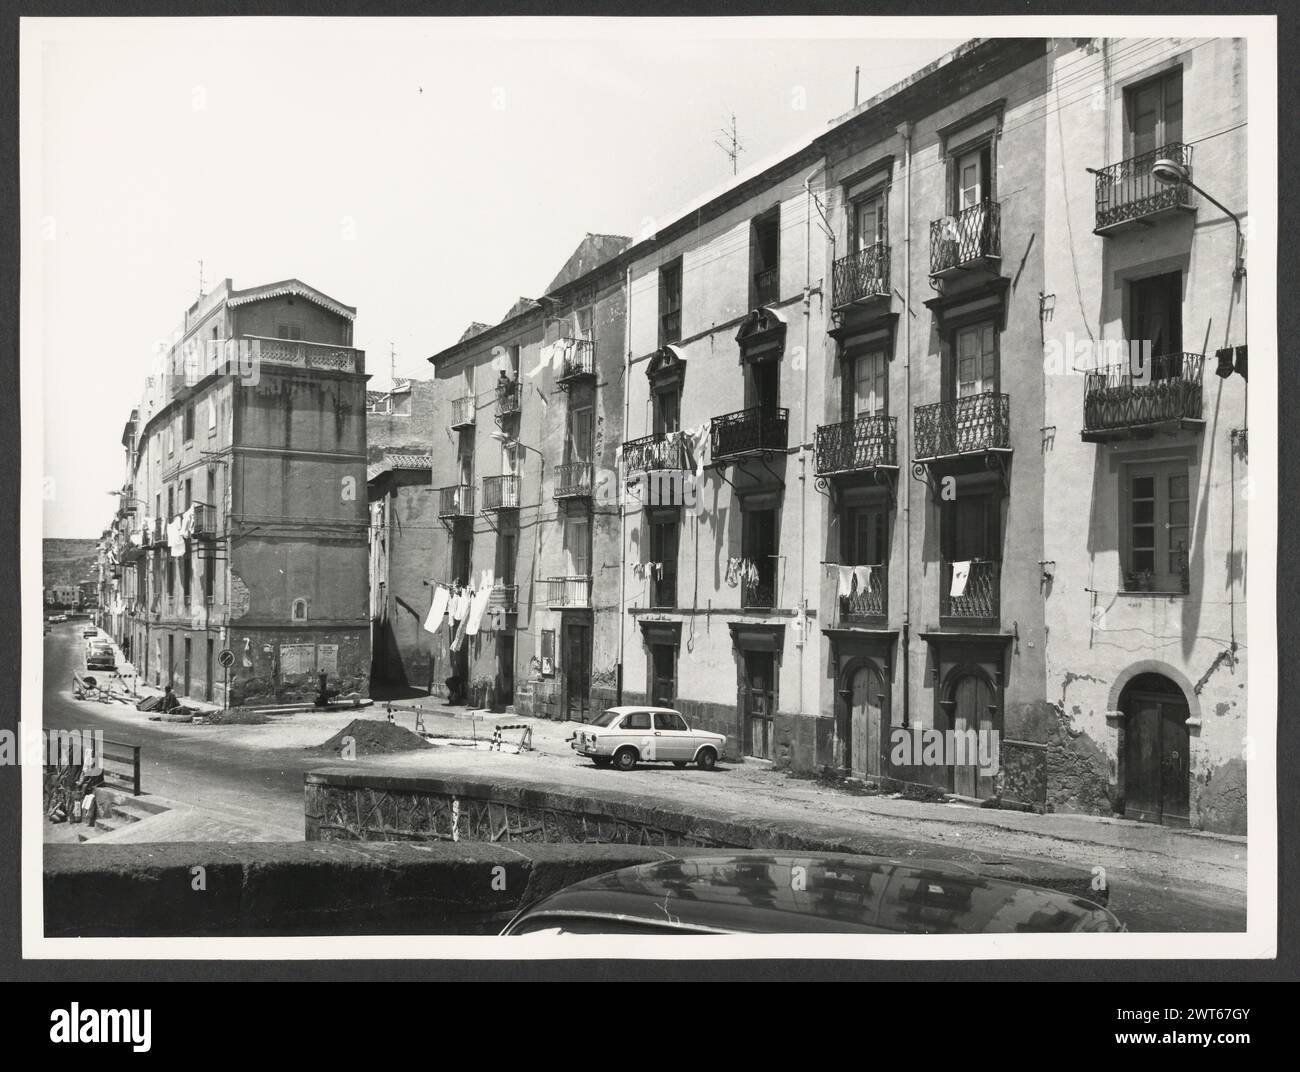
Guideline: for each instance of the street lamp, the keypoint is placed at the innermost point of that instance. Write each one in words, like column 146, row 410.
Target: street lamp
column 1169, row 172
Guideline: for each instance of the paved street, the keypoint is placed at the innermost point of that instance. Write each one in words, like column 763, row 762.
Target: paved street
column 245, row 781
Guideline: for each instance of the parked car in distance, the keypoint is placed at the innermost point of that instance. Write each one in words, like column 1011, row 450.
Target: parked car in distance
column 88, row 632
column 100, row 656
column 787, row 893
column 626, row 736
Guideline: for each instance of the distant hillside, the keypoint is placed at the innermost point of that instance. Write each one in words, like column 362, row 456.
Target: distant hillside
column 68, row 561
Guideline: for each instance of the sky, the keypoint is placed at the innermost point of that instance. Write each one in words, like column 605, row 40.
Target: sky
column 428, row 173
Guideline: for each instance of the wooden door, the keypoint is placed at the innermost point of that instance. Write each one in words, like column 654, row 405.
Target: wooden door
column 758, row 703
column 865, row 702
column 971, row 712
column 663, row 675
column 577, row 672
column 1156, row 761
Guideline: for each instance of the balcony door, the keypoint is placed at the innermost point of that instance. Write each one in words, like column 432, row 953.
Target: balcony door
column 869, row 222
column 764, row 384
column 1153, row 114
column 759, row 546
column 667, row 410
column 972, row 173
column 870, row 378
column 577, row 447
column 1156, row 318
column 577, row 545
column 972, row 528
column 976, row 360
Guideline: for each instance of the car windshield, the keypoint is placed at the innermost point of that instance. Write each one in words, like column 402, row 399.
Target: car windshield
column 605, row 718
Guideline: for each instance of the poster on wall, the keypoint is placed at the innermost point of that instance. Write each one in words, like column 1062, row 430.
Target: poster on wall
column 297, row 658
column 327, row 658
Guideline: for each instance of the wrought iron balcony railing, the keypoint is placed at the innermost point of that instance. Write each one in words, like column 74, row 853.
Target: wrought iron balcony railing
column 860, row 275
column 573, row 480
column 568, row 591
column 979, row 597
column 767, row 287
column 501, row 492
column 663, row 589
column 974, row 423
column 670, row 327
column 1118, row 404
column 504, row 597
column 749, row 431
column 577, row 359
column 869, row 602
column 857, row 445
column 1127, row 192
column 959, row 241
column 462, row 412
column 664, row 450
column 508, row 397
column 456, row 501
column 205, row 520
column 759, row 592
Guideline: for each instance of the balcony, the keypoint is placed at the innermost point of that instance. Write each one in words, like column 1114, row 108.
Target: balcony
column 576, row 360
column 456, row 501
column 504, row 597
column 969, row 241
column 670, row 327
column 1128, row 197
column 861, row 276
column 655, row 453
column 1117, row 405
column 568, row 592
column 869, row 604
column 299, row 354
column 573, row 480
column 861, row 445
column 509, row 398
column 157, row 535
column 978, row 602
column 975, row 424
column 501, row 492
column 758, row 592
column 205, row 521
column 462, row 412
column 758, row 430
column 767, row 287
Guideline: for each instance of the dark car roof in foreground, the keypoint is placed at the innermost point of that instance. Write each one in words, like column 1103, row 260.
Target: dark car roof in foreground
column 792, row 893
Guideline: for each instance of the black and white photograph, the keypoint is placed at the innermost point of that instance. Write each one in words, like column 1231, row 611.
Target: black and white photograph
column 535, row 487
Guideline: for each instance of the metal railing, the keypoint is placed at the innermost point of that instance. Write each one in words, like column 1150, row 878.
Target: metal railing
column 462, row 411
column 577, row 358
column 976, row 422
column 568, row 591
column 501, row 492
column 456, row 501
column 670, row 326
column 663, row 590
column 504, row 597
column 759, row 593
column 748, row 430
column 205, row 519
column 864, row 274
column 508, row 397
column 664, row 450
column 979, row 599
column 869, row 601
column 965, row 237
column 861, row 443
column 1115, row 399
column 573, row 480
column 767, row 287
column 1127, row 191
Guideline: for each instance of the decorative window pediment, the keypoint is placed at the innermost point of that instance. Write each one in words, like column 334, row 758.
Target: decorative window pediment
column 762, row 336
column 666, row 366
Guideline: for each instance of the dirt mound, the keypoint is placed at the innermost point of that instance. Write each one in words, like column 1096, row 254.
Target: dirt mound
column 372, row 737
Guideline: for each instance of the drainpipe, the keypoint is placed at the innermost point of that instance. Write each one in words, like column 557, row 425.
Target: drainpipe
column 618, row 472
column 905, row 131
column 803, row 429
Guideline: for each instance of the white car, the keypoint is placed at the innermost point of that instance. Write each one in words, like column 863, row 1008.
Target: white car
column 626, row 736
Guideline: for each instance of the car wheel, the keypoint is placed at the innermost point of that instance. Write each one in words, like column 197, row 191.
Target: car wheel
column 707, row 759
column 602, row 761
column 625, row 759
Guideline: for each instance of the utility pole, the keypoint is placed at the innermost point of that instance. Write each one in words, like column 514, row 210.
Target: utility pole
column 857, row 76
column 201, row 282
column 392, row 366
column 732, row 147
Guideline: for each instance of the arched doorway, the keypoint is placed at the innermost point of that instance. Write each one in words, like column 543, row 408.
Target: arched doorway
column 862, row 721
column 970, row 707
column 1157, row 761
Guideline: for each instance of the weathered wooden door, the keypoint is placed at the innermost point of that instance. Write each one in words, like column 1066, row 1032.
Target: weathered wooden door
column 971, row 712
column 865, row 722
column 758, row 703
column 577, row 672
column 1156, row 761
